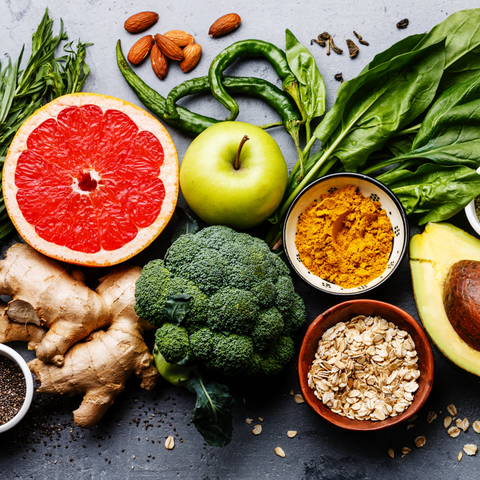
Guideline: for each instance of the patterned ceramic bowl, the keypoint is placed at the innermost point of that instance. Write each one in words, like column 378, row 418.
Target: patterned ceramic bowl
column 369, row 187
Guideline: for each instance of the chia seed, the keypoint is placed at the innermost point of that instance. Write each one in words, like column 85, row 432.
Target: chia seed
column 12, row 389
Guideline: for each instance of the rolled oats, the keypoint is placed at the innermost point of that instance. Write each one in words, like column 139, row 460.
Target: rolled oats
column 391, row 453
column 405, row 451
column 420, row 441
column 448, row 421
column 459, row 456
column 476, row 426
column 291, row 433
column 454, row 432
column 470, row 449
column 431, row 417
column 365, row 369
column 452, row 409
column 257, row 430
column 279, row 452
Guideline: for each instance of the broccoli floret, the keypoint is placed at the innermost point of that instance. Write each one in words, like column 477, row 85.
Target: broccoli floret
column 285, row 293
column 295, row 317
column 232, row 310
column 172, row 342
column 243, row 311
column 149, row 291
column 232, row 354
column 268, row 329
column 280, row 354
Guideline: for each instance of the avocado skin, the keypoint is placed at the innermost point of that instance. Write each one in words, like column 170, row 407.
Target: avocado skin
column 461, row 299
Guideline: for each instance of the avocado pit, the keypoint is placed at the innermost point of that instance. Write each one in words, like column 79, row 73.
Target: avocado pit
column 461, row 298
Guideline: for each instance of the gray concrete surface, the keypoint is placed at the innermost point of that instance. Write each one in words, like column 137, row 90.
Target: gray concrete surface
column 123, row 446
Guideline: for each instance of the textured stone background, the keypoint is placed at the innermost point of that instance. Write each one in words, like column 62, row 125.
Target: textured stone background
column 319, row 451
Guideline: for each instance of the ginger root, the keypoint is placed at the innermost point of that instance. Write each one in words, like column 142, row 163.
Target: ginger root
column 98, row 366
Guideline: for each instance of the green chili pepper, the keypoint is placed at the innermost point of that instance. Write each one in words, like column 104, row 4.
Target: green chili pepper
column 255, row 87
column 251, row 48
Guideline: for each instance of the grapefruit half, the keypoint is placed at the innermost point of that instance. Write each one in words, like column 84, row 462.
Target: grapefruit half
column 90, row 179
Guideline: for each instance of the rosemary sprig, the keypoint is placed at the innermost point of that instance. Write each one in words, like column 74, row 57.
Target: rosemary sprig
column 44, row 78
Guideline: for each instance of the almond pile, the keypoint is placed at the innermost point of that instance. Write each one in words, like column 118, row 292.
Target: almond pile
column 174, row 45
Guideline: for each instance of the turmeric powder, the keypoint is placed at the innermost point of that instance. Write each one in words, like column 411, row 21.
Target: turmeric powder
column 345, row 238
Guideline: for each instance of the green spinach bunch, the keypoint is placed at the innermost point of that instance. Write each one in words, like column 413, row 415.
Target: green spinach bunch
column 383, row 120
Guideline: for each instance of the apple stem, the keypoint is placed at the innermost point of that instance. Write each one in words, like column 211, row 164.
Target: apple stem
column 237, row 159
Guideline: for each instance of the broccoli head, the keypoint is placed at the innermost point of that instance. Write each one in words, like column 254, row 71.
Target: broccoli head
column 223, row 299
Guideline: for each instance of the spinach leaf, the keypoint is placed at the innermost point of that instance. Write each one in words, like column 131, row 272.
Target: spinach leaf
column 312, row 87
column 405, row 45
column 212, row 414
column 433, row 194
column 450, row 133
column 372, row 106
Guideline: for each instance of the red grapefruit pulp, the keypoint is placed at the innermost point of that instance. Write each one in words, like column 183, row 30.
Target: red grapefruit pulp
column 91, row 179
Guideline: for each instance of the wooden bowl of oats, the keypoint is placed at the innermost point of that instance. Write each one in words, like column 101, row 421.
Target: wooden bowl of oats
column 365, row 365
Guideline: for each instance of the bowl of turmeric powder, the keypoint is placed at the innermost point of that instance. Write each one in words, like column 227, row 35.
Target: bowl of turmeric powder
column 346, row 234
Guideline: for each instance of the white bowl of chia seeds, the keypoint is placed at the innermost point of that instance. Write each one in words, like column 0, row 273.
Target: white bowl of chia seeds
column 16, row 388
column 472, row 215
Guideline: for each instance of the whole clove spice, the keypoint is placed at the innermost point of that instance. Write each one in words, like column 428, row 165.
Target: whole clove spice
column 360, row 39
column 402, row 23
column 325, row 40
column 352, row 48
column 12, row 389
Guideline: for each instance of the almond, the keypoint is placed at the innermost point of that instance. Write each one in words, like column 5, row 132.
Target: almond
column 168, row 48
column 224, row 25
column 140, row 49
column 192, row 53
column 159, row 62
column 181, row 38
column 140, row 21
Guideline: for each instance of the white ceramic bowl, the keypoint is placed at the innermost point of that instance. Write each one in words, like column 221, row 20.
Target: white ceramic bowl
column 472, row 216
column 13, row 355
column 369, row 187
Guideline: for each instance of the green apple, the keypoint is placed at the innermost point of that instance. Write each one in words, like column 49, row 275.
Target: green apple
column 221, row 194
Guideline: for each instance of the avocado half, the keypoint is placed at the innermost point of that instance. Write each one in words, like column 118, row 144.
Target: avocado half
column 432, row 253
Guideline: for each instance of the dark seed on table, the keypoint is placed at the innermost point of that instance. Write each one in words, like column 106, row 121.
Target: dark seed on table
column 12, row 389
column 339, row 77
column 403, row 23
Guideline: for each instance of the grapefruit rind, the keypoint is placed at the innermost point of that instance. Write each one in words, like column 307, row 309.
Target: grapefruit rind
column 169, row 174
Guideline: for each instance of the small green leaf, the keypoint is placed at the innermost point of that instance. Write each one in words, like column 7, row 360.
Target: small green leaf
column 177, row 307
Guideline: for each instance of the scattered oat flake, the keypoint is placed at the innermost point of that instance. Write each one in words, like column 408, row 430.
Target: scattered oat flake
column 391, row 453
column 248, row 421
column 452, row 410
column 405, row 451
column 260, row 418
column 454, row 432
column 420, row 441
column 476, row 426
column 279, row 452
column 257, row 430
column 448, row 421
column 291, row 433
column 299, row 398
column 169, row 443
column 470, row 449
column 459, row 456
column 412, row 418
column 466, row 424
column 244, row 401
column 410, row 425
column 291, row 392
column 431, row 417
